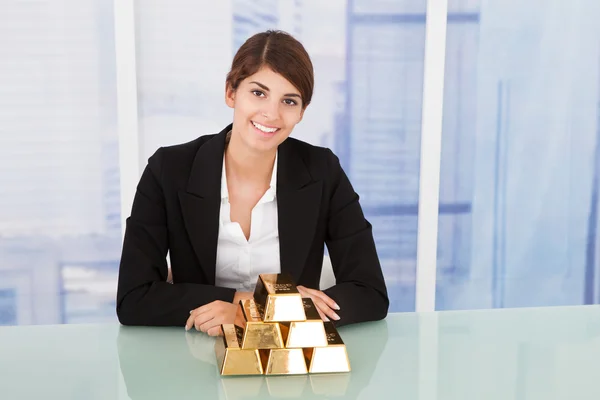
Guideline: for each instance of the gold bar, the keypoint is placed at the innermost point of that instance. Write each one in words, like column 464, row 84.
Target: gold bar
column 309, row 333
column 331, row 358
column 277, row 298
column 231, row 358
column 259, row 334
column 284, row 361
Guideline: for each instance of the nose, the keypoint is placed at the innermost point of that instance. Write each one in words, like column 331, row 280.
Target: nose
column 270, row 110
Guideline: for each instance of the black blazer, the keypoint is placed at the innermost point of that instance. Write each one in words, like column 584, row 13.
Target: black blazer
column 176, row 209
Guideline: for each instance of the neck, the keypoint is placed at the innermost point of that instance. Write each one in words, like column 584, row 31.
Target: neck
column 243, row 163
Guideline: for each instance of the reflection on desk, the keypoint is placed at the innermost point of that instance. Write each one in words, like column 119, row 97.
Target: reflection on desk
column 160, row 362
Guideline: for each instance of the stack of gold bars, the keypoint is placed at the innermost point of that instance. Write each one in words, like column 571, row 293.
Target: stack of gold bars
column 284, row 335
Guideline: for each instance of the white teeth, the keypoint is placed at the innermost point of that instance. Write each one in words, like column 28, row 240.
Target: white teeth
column 264, row 128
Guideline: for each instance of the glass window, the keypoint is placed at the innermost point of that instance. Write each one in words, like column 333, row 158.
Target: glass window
column 8, row 307
column 59, row 181
column 520, row 157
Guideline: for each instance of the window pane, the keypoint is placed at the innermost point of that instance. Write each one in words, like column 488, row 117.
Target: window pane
column 8, row 307
column 59, row 181
column 380, row 145
column 520, row 158
column 387, row 7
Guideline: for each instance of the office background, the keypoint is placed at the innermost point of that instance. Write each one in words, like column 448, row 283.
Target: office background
column 520, row 155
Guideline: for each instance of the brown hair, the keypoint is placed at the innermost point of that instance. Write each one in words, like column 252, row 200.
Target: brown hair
column 279, row 51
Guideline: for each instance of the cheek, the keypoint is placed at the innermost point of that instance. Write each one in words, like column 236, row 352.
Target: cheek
column 245, row 107
column 292, row 116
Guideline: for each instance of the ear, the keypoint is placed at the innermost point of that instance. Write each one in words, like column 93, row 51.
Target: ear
column 229, row 96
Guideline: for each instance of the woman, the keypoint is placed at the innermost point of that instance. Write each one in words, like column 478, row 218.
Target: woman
column 246, row 201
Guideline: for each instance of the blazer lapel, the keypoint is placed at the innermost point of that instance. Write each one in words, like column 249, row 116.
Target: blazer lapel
column 298, row 205
column 201, row 202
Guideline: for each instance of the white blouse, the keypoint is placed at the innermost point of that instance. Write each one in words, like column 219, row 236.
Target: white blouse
column 239, row 261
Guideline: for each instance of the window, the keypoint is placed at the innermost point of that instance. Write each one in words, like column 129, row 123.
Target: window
column 520, row 158
column 8, row 307
column 59, row 181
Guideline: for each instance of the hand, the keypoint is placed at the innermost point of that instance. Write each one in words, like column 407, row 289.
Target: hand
column 211, row 316
column 242, row 296
column 324, row 304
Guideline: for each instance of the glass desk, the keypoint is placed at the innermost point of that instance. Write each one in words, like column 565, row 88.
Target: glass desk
column 543, row 353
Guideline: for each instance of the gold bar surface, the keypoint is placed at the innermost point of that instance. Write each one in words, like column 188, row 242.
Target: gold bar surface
column 331, row 358
column 231, row 358
column 278, row 299
column 259, row 334
column 284, row 361
column 309, row 333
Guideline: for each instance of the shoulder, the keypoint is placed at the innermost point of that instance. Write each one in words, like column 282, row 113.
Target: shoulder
column 320, row 161
column 177, row 160
column 183, row 153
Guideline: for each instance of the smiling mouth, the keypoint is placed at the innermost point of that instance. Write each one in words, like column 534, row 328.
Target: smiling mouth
column 264, row 129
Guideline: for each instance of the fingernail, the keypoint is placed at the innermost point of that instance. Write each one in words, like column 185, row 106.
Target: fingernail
column 187, row 328
column 336, row 306
column 326, row 319
column 191, row 311
column 336, row 317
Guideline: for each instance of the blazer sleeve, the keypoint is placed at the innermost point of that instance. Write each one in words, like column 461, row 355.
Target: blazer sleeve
column 360, row 288
column 143, row 295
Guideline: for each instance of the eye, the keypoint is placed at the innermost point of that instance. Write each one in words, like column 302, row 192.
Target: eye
column 290, row 102
column 258, row 93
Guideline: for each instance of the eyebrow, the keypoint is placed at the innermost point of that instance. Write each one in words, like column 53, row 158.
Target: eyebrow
column 263, row 87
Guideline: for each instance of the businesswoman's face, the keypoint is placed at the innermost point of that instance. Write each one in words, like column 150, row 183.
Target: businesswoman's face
column 266, row 107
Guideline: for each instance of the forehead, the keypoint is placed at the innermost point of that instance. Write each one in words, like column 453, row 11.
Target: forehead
column 274, row 81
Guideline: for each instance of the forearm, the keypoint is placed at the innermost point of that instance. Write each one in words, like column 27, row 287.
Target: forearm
column 358, row 303
column 165, row 304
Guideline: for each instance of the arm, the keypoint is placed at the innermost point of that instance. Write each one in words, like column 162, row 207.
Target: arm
column 360, row 290
column 143, row 295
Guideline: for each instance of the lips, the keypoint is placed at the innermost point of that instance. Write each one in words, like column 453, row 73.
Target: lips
column 265, row 130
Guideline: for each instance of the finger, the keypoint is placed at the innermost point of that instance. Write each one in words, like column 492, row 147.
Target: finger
column 317, row 293
column 215, row 331
column 198, row 319
column 205, row 308
column 302, row 291
column 193, row 315
column 323, row 316
column 305, row 292
column 190, row 322
column 198, row 311
column 330, row 302
column 208, row 325
column 325, row 309
column 202, row 320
